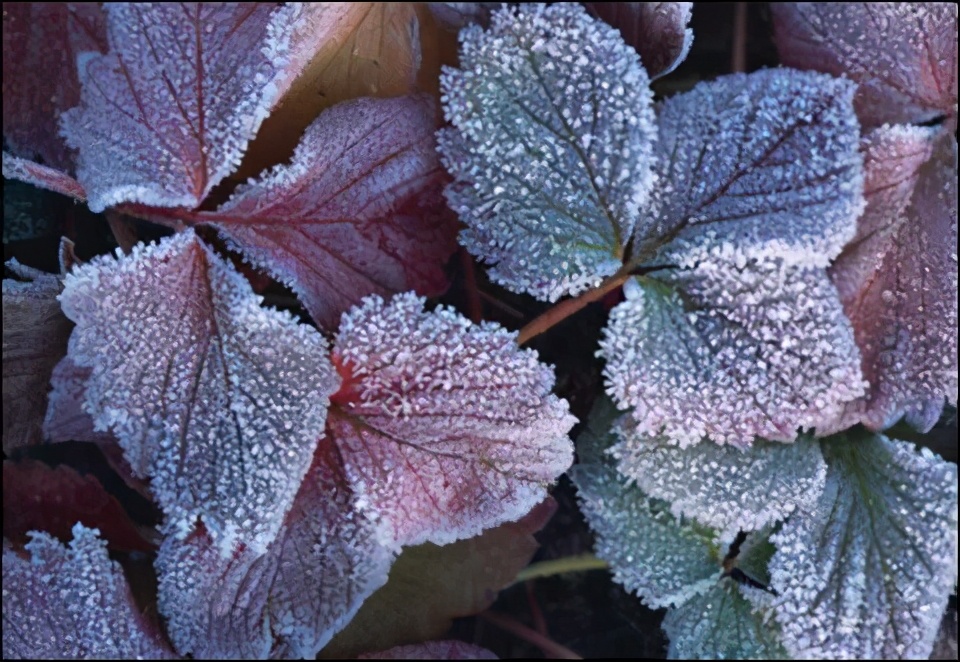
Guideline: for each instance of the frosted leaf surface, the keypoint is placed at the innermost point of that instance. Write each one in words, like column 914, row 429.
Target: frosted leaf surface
column 445, row 428
column 724, row 487
column 183, row 89
column 867, row 572
column 357, row 211
column 41, row 44
column 721, row 625
column 658, row 30
column 550, row 148
column 433, row 650
column 663, row 559
column 40, row 175
column 35, row 334
column 217, row 400
column 731, row 354
column 65, row 419
column 898, row 279
column 902, row 55
column 72, row 603
column 288, row 602
column 755, row 166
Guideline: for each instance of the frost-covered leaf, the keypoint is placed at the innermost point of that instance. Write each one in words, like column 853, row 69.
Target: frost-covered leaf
column 456, row 15
column 40, row 175
column 357, row 211
column 866, row 573
column 898, row 278
column 433, row 650
column 445, row 428
column 762, row 165
column 551, row 147
column 902, row 54
column 35, row 335
column 658, row 30
column 41, row 44
column 291, row 600
column 461, row 579
column 721, row 625
column 731, row 354
column 724, row 487
column 217, row 400
column 73, row 603
column 183, row 89
column 66, row 419
column 663, row 559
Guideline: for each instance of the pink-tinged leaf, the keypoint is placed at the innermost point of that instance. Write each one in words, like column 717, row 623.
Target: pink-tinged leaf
column 456, row 15
column 41, row 44
column 658, row 30
column 66, row 419
column 445, row 428
column 898, row 279
column 731, row 354
column 39, row 175
column 183, row 89
column 357, row 211
column 217, row 400
column 54, row 499
column 903, row 55
column 433, row 650
column 35, row 334
column 288, row 602
column 72, row 603
column 755, row 166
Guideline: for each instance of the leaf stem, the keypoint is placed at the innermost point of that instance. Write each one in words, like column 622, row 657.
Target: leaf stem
column 549, row 647
column 568, row 307
column 578, row 563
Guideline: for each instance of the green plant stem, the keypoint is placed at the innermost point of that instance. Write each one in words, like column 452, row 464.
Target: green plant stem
column 568, row 307
column 562, row 566
column 549, row 647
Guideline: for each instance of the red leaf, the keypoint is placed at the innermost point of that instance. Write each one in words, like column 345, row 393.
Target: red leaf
column 658, row 30
column 42, row 176
column 433, row 650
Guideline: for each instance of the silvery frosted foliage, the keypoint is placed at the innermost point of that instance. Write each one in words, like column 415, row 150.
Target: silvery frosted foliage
column 730, row 354
column 550, row 147
column 445, row 428
column 184, row 87
column 658, row 30
column 43, row 176
column 288, row 602
column 722, row 624
column 217, row 400
column 903, row 55
column 433, row 650
column 866, row 572
column 72, row 603
column 724, row 487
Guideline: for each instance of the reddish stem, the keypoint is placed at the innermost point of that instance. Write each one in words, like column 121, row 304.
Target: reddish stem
column 738, row 58
column 549, row 647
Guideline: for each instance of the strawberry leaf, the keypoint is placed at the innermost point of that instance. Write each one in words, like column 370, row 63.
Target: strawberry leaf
column 219, row 401
column 551, row 147
column 72, row 603
column 355, row 212
column 445, row 428
column 658, row 30
column 42, row 176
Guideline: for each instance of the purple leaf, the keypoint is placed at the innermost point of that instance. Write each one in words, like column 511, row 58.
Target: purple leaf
column 219, row 401
column 731, row 354
column 73, row 603
column 357, row 211
column 903, row 55
column 39, row 175
column 433, row 650
column 65, row 419
column 658, row 30
column 898, row 278
column 445, row 428
column 288, row 602
column 41, row 44
column 456, row 15
column 183, row 89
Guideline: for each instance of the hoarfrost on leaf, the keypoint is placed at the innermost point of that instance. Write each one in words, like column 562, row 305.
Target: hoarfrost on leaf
column 658, row 30
column 450, row 649
column 731, row 354
column 72, row 603
column 217, row 400
column 66, row 419
column 723, row 487
column 445, row 428
column 43, row 176
column 551, row 147
column 866, row 573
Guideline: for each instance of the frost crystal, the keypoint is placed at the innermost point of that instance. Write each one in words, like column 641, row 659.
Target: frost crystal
column 723, row 487
column 72, row 603
column 219, row 401
column 551, row 147
column 445, row 428
column 866, row 573
column 731, row 354
column 65, row 419
column 658, row 30
column 42, row 176
column 351, row 214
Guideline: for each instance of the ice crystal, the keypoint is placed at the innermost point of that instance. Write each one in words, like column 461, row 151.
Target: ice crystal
column 43, row 176
column 658, row 30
